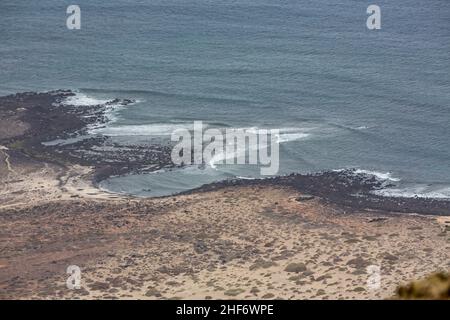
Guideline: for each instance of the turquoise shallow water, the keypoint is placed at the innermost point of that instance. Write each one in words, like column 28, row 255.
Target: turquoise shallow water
column 349, row 97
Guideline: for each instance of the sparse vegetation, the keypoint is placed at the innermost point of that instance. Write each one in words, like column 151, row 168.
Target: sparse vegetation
column 295, row 267
column 233, row 292
column 16, row 145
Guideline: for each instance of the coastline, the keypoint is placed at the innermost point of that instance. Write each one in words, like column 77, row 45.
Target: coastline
column 232, row 239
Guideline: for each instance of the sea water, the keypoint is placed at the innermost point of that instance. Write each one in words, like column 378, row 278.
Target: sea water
column 341, row 95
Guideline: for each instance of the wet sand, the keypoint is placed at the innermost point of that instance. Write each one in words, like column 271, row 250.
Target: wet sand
column 298, row 237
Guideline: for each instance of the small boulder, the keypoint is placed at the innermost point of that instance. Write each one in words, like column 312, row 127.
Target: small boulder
column 304, row 197
column 295, row 267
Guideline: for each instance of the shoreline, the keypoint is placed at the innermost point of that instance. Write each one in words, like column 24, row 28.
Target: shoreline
column 44, row 117
column 230, row 239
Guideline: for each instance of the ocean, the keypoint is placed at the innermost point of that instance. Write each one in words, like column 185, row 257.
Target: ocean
column 342, row 96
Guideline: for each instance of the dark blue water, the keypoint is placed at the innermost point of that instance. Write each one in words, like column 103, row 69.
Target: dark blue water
column 349, row 97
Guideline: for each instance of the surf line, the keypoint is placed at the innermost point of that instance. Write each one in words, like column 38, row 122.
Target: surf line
column 236, row 146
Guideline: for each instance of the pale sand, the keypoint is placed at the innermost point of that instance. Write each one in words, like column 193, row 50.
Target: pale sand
column 35, row 183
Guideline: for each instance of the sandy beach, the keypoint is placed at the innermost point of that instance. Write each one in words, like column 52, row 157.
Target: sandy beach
column 244, row 240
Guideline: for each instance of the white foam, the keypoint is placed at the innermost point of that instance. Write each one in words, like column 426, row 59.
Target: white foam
column 245, row 178
column 164, row 129
column 420, row 191
column 379, row 175
column 81, row 99
column 157, row 129
column 287, row 134
column 287, row 137
column 220, row 158
column 292, row 134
